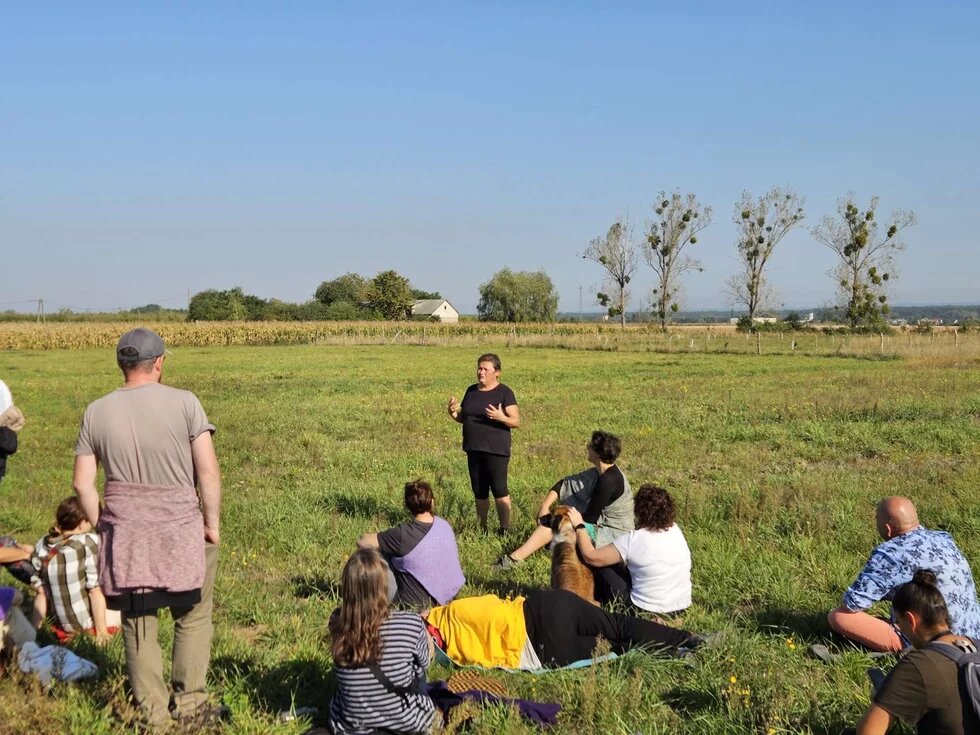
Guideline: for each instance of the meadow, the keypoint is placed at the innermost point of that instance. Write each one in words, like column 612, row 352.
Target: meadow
column 775, row 461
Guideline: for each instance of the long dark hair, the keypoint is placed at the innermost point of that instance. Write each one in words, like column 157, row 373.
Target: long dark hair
column 355, row 628
column 922, row 597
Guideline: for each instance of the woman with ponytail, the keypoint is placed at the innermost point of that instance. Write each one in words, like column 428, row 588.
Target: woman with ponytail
column 923, row 688
column 380, row 656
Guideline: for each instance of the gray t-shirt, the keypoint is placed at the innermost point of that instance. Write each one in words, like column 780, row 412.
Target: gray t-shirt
column 143, row 435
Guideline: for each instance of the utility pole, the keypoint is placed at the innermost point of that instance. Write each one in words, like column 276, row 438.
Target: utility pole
column 40, row 311
column 580, row 302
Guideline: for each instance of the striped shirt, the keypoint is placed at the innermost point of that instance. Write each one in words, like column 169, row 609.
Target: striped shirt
column 363, row 704
column 67, row 566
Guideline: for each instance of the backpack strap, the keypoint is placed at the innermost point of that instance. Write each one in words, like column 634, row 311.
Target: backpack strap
column 401, row 692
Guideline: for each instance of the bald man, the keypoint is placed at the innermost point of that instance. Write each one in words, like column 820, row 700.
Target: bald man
column 907, row 547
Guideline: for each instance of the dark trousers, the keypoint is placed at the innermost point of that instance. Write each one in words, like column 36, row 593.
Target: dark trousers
column 612, row 584
column 488, row 473
column 563, row 628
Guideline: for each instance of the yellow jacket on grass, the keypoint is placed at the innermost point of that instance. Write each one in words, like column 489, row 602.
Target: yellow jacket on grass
column 485, row 631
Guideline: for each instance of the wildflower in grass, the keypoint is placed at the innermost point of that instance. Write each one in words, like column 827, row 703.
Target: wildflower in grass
column 733, row 678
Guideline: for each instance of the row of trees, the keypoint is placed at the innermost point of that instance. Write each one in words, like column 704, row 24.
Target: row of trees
column 388, row 295
column 865, row 248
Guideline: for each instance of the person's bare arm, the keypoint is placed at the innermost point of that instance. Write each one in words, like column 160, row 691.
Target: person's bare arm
column 40, row 610
column 97, row 601
column 604, row 556
column 549, row 500
column 368, row 541
column 209, row 484
column 509, row 416
column 86, row 470
column 14, row 553
column 876, row 721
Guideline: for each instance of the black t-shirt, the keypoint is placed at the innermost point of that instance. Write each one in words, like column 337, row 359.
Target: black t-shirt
column 609, row 488
column 923, row 688
column 399, row 541
column 481, row 434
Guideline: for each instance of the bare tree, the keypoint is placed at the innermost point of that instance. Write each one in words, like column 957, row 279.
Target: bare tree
column 761, row 224
column 679, row 220
column 867, row 260
column 616, row 253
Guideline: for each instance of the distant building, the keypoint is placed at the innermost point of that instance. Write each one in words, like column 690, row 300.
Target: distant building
column 438, row 308
column 756, row 320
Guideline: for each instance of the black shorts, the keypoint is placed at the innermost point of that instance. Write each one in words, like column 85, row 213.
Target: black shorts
column 488, row 473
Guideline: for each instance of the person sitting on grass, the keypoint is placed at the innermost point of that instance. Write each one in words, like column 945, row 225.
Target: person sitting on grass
column 15, row 631
column 380, row 656
column 649, row 567
column 601, row 494
column 422, row 554
column 67, row 578
column 549, row 628
column 908, row 546
column 923, row 689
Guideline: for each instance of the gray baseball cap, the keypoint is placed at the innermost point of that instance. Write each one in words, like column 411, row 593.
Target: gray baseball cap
column 139, row 344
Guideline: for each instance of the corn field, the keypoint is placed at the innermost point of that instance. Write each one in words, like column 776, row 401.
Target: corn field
column 635, row 338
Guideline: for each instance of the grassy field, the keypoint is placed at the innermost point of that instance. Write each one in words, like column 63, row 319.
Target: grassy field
column 776, row 463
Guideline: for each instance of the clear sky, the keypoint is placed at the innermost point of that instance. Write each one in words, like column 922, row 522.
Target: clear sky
column 151, row 149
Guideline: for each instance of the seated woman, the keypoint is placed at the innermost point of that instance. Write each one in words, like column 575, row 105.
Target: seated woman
column 601, row 494
column 380, row 656
column 651, row 566
column 67, row 577
column 923, row 688
column 421, row 553
column 550, row 628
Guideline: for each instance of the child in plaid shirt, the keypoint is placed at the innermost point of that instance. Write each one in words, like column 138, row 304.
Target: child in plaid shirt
column 67, row 577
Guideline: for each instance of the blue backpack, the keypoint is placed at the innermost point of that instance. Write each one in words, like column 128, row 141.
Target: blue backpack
column 967, row 660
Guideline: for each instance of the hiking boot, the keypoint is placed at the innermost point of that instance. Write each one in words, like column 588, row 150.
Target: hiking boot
column 507, row 562
column 708, row 640
column 208, row 715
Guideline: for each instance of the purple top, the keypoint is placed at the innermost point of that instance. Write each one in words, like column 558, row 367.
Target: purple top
column 434, row 562
column 6, row 600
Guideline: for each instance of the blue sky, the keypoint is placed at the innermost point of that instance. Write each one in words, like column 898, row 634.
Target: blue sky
column 147, row 150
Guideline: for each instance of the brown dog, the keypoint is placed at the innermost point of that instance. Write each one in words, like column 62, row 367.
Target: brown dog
column 568, row 571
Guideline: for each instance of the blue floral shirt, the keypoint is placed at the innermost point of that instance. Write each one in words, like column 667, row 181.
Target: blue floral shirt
column 894, row 562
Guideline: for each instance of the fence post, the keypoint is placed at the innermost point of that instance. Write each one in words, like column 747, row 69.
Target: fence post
column 758, row 343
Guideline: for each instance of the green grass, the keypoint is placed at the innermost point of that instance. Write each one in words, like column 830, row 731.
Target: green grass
column 775, row 463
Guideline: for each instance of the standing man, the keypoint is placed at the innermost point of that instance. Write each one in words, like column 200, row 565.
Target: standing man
column 158, row 533
column 488, row 413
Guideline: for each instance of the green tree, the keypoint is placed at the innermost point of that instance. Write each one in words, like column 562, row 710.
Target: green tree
column 518, row 296
column 679, row 220
column 616, row 253
column 419, row 295
column 761, row 224
column 390, row 294
column 349, row 287
column 866, row 258
column 230, row 305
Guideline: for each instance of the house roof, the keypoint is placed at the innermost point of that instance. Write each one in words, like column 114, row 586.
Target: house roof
column 429, row 306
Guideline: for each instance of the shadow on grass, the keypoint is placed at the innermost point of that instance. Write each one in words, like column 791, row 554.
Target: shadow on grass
column 805, row 624
column 300, row 682
column 362, row 506
column 503, row 587
column 309, row 586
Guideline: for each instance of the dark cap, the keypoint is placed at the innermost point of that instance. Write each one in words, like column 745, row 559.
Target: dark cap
column 139, row 344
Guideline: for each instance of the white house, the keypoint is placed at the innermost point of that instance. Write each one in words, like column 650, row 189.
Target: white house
column 438, row 308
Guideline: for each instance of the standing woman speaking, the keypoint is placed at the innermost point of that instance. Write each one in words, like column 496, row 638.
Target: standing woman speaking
column 488, row 413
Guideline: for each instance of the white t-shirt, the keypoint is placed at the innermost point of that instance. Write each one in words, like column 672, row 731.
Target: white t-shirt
column 6, row 400
column 660, row 566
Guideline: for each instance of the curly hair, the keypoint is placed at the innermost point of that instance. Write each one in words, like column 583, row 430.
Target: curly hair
column 355, row 628
column 606, row 446
column 654, row 508
column 418, row 497
column 922, row 597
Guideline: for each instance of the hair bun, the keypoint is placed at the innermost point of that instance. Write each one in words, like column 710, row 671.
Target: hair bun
column 926, row 577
